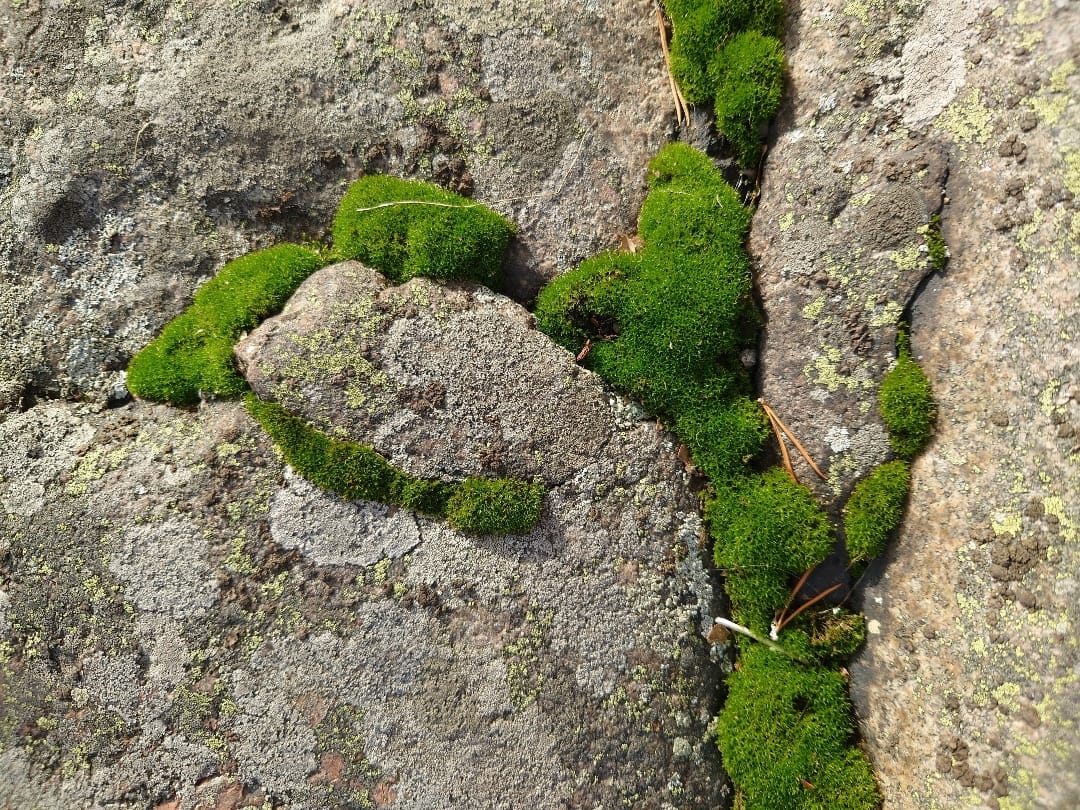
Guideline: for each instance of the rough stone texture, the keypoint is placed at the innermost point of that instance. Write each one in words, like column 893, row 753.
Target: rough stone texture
column 435, row 377
column 451, row 382
column 143, row 144
column 189, row 624
column 966, row 687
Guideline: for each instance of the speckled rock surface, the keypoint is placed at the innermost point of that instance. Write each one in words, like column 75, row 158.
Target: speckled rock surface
column 144, row 144
column 966, row 687
column 189, row 624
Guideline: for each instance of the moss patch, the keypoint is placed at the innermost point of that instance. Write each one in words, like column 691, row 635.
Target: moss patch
column 356, row 471
column 665, row 325
column 768, row 529
column 428, row 232
column 495, row 506
column 874, row 510
column 748, row 75
column 785, row 734
column 907, row 405
column 728, row 53
column 192, row 357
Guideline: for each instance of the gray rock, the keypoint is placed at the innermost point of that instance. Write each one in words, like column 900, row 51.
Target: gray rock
column 444, row 381
column 952, row 643
column 544, row 639
column 143, row 145
column 228, row 633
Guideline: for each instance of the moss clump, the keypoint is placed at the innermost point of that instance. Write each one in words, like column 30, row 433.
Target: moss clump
column 874, row 510
column 727, row 52
column 907, row 405
column 666, row 324
column 785, row 735
column 504, row 506
column 824, row 637
column 454, row 238
column 748, row 75
column 768, row 529
column 702, row 27
column 193, row 355
column 937, row 251
column 355, row 471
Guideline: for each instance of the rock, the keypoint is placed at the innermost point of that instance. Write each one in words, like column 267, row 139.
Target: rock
column 996, row 336
column 227, row 633
column 143, row 145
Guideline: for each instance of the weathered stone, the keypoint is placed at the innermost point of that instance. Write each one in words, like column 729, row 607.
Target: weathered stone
column 996, row 335
column 274, row 643
column 142, row 145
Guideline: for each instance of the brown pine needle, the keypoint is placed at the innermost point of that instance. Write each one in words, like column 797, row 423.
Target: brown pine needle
column 682, row 111
column 807, row 604
column 780, row 441
column 798, row 445
column 794, row 592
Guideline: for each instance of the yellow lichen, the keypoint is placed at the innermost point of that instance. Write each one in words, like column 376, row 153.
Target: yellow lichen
column 1007, row 524
column 812, row 310
column 967, row 120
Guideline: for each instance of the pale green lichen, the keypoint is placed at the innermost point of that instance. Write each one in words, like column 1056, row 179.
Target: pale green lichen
column 1052, row 101
column 812, row 310
column 967, row 120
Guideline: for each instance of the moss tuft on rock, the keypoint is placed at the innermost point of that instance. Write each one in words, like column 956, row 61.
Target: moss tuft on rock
column 702, row 27
column 728, row 53
column 356, row 471
column 748, row 77
column 192, row 357
column 907, row 405
column 785, row 735
column 495, row 506
column 874, row 510
column 406, row 228
column 666, row 325
column 768, row 529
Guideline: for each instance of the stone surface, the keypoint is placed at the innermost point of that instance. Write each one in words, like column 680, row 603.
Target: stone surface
column 966, row 687
column 142, row 145
column 189, row 624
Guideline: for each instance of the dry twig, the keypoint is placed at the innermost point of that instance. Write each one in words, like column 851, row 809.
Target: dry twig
column 777, row 424
column 682, row 109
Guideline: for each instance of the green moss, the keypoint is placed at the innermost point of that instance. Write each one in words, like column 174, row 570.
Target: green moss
column 935, row 244
column 748, row 77
column 907, row 405
column 700, row 28
column 667, row 324
column 824, row 637
column 785, row 736
column 767, row 529
column 502, row 506
column 193, row 355
column 454, row 238
column 874, row 510
column 356, row 471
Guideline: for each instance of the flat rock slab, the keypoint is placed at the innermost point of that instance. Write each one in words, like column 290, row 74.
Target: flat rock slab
column 143, row 145
column 966, row 687
column 444, row 381
column 209, row 629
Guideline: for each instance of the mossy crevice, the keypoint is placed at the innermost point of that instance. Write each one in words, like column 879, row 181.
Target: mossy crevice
column 402, row 228
column 729, row 54
column 906, row 403
column 193, row 357
column 666, row 325
column 405, row 229
column 357, row 471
